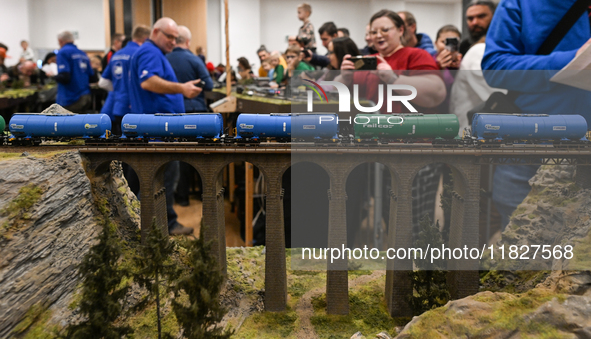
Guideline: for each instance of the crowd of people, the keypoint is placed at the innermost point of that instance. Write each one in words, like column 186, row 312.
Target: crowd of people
column 155, row 70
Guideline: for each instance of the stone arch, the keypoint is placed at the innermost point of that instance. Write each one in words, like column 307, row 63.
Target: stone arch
column 355, row 190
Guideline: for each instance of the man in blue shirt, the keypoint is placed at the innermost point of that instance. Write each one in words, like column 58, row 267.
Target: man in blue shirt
column 74, row 75
column 187, row 67
column 153, row 88
column 517, row 30
column 116, row 77
column 414, row 39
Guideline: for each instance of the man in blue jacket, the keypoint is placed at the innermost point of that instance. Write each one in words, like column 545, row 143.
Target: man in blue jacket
column 153, row 88
column 517, row 31
column 414, row 39
column 116, row 77
column 188, row 67
column 74, row 75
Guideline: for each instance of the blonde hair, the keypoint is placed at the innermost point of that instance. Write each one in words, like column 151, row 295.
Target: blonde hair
column 275, row 55
column 293, row 49
column 306, row 7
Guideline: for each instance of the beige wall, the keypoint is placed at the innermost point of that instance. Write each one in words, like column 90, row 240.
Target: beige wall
column 141, row 13
column 190, row 13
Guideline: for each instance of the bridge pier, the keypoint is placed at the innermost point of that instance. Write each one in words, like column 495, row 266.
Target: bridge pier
column 398, row 280
column 212, row 217
column 463, row 278
column 337, row 278
column 276, row 283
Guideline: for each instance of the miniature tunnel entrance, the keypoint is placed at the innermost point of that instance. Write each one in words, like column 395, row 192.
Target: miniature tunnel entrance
column 368, row 206
column 182, row 203
column 306, row 205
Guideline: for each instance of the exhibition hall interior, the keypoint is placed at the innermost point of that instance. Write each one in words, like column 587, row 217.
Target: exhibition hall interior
column 288, row 169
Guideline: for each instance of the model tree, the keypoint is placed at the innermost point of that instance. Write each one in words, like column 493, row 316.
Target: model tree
column 102, row 289
column 196, row 304
column 156, row 269
column 429, row 280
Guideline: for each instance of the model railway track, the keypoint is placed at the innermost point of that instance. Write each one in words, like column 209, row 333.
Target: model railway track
column 287, row 148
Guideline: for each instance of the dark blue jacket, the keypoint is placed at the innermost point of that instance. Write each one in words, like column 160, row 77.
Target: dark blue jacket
column 518, row 29
column 187, row 66
column 425, row 42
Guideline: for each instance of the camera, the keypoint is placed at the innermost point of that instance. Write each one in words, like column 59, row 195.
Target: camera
column 452, row 44
column 368, row 63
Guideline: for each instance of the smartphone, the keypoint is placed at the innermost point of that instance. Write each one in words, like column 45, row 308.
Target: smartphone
column 367, row 63
column 452, row 44
column 200, row 84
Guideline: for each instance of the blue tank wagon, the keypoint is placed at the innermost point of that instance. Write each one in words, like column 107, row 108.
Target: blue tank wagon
column 34, row 127
column 528, row 128
column 287, row 127
column 190, row 126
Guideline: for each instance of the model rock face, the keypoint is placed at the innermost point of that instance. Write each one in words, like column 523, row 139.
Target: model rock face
column 47, row 224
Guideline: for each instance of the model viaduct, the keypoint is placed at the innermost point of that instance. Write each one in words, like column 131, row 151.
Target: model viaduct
column 274, row 159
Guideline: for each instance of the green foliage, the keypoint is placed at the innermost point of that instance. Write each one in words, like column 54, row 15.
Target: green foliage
column 18, row 209
column 155, row 267
column 198, row 317
column 102, row 290
column 429, row 281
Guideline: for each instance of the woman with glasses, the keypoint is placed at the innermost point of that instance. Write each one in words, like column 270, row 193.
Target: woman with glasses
column 394, row 63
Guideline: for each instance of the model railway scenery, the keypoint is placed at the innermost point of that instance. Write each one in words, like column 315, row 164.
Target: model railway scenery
column 488, row 130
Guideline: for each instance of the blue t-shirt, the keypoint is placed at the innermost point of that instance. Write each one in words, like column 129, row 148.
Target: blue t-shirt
column 147, row 62
column 72, row 60
column 187, row 66
column 118, row 72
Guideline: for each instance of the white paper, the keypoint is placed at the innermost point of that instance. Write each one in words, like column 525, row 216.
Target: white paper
column 577, row 72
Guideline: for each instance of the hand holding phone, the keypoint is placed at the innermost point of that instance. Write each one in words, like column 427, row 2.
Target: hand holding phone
column 367, row 63
column 200, row 84
column 452, row 44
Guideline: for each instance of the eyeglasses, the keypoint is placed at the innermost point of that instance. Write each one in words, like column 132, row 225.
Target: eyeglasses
column 383, row 30
column 290, row 56
column 168, row 36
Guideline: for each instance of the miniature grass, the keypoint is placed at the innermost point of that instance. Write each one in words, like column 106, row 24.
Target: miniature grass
column 269, row 325
column 43, row 155
column 34, row 324
column 17, row 211
column 367, row 313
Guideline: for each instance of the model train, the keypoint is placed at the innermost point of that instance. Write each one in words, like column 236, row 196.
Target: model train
column 438, row 129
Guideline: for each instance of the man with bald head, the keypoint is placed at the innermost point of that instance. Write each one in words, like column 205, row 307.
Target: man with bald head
column 74, row 75
column 154, row 88
column 26, row 71
column 187, row 67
